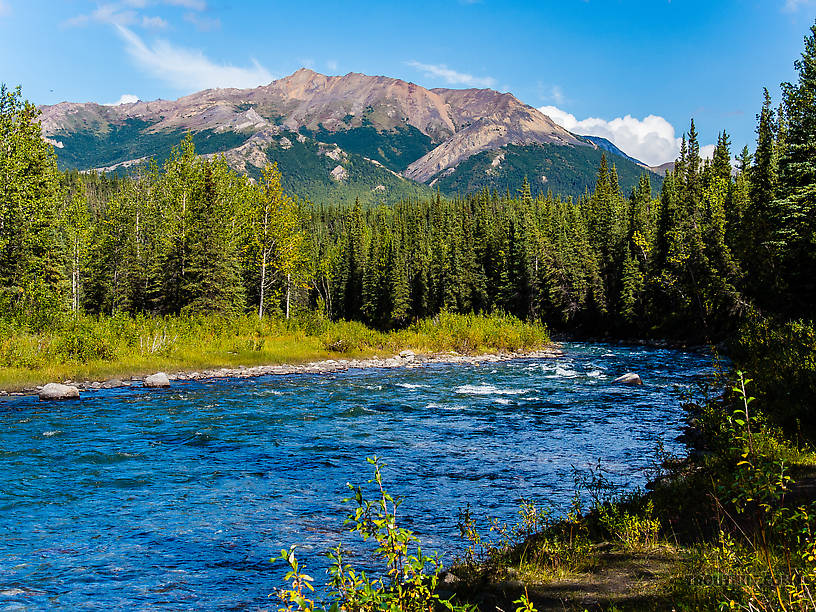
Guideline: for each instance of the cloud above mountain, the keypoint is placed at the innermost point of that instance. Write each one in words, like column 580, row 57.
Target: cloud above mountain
column 125, row 99
column 450, row 76
column 189, row 69
column 652, row 139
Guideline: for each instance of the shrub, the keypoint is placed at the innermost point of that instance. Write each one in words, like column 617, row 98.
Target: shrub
column 635, row 530
column 409, row 577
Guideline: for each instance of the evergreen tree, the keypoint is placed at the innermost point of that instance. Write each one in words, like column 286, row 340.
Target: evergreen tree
column 212, row 279
column 795, row 208
column 31, row 272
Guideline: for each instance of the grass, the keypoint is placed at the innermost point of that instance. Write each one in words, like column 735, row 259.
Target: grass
column 619, row 579
column 87, row 348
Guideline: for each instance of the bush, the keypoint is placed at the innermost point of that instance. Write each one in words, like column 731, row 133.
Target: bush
column 83, row 341
column 781, row 357
column 635, row 530
column 409, row 577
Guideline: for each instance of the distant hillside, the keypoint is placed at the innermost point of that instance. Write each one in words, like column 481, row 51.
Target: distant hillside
column 563, row 170
column 609, row 147
column 339, row 138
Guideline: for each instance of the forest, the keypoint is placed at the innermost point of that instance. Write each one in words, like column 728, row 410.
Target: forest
column 192, row 236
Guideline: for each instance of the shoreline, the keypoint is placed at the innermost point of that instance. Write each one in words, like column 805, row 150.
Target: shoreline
column 405, row 359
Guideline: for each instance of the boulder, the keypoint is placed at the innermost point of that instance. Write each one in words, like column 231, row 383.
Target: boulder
column 56, row 391
column 157, row 381
column 113, row 383
column 407, row 355
column 630, row 378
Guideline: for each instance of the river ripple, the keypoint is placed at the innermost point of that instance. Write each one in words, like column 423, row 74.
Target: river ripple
column 173, row 499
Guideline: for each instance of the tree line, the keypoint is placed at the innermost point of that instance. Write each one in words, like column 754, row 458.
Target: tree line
column 721, row 238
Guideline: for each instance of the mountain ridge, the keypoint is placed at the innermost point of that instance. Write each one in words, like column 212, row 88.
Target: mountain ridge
column 421, row 134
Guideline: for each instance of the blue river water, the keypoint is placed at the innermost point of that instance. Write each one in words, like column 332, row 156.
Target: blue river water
column 142, row 499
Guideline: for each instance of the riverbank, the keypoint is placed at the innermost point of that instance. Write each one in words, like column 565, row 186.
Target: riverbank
column 728, row 526
column 406, row 359
column 88, row 350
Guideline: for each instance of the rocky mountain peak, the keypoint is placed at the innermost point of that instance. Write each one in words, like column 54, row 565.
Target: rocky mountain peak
column 419, row 132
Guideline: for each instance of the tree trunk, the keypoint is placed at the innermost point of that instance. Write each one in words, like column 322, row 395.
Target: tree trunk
column 263, row 285
column 288, row 292
column 75, row 279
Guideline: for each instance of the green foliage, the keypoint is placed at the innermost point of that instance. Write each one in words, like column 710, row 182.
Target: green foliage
column 538, row 545
column 795, row 206
column 32, row 280
column 133, row 139
column 79, row 346
column 524, row 604
column 569, row 171
column 408, row 580
column 306, row 171
column 782, row 358
column 635, row 530
column 395, row 149
column 764, row 556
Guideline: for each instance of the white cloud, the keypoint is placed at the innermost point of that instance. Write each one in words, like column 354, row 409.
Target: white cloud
column 125, row 99
column 156, row 23
column 332, row 65
column 202, row 23
column 793, row 5
column 105, row 13
column 195, row 5
column 189, row 69
column 651, row 139
column 707, row 151
column 557, row 94
column 126, row 13
column 5, row 9
column 452, row 77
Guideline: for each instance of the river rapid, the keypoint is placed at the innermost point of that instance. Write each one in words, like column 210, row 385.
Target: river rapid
column 144, row 499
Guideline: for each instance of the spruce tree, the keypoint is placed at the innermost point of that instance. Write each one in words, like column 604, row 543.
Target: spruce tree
column 32, row 280
column 795, row 208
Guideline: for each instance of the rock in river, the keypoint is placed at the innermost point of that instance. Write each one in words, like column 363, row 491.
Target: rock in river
column 630, row 378
column 113, row 383
column 56, row 391
column 156, row 381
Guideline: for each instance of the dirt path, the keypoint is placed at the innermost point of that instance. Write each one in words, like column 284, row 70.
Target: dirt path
column 627, row 580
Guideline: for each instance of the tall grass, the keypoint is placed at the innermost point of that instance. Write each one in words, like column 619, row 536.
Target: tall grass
column 90, row 348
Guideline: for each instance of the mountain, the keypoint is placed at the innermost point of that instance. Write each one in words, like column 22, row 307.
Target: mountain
column 339, row 137
column 662, row 169
column 609, row 147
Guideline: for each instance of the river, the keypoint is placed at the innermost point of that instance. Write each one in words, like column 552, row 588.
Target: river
column 144, row 499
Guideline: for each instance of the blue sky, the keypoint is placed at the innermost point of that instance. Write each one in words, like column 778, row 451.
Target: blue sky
column 634, row 71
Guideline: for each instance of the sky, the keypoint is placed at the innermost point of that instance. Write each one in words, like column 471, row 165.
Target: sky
column 635, row 72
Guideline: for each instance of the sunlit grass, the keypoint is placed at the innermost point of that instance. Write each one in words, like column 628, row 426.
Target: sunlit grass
column 90, row 349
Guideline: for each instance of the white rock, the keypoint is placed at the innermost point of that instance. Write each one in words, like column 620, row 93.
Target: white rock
column 408, row 355
column 630, row 378
column 156, row 381
column 56, row 391
column 339, row 174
